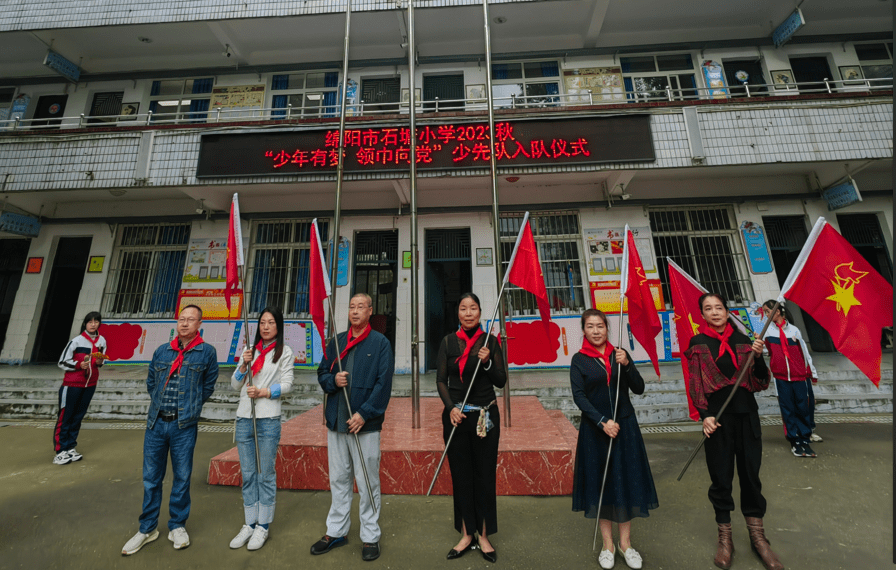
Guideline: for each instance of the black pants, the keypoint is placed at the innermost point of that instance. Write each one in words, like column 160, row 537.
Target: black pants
column 73, row 404
column 738, row 440
column 473, row 461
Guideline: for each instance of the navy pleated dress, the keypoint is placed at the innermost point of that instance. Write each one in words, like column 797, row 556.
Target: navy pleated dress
column 630, row 491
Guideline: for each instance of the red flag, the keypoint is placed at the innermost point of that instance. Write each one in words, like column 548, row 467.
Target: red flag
column 832, row 282
column 685, row 302
column 319, row 283
column 234, row 251
column 524, row 270
column 643, row 318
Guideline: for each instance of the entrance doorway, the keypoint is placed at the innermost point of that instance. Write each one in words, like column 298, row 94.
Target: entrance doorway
column 445, row 88
column 448, row 276
column 381, row 94
column 786, row 237
column 63, row 290
column 810, row 73
column 13, row 254
column 376, row 268
column 50, row 107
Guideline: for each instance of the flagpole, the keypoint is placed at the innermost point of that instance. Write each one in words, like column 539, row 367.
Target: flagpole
column 415, row 254
column 249, row 366
column 623, row 281
column 469, row 388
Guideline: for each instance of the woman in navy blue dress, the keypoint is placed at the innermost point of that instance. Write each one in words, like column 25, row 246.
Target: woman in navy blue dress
column 629, row 489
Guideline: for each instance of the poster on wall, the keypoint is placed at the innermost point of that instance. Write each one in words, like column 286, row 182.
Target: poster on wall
column 604, row 247
column 756, row 248
column 238, row 98
column 206, row 261
column 212, row 303
column 605, row 295
column 604, row 83
column 715, row 79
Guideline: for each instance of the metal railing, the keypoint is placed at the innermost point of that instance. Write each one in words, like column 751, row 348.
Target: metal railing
column 565, row 100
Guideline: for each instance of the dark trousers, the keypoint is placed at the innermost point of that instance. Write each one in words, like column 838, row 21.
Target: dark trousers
column 793, row 397
column 737, row 441
column 473, row 462
column 73, row 404
column 811, row 403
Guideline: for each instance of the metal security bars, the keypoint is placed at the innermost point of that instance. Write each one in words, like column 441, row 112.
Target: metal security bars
column 147, row 269
column 704, row 242
column 278, row 270
column 558, row 237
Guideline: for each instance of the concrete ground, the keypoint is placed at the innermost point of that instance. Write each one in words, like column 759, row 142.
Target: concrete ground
column 833, row 512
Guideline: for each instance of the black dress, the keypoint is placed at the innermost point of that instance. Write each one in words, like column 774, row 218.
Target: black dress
column 629, row 490
column 473, row 460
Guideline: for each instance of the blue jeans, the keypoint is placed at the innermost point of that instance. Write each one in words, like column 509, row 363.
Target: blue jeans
column 259, row 489
column 157, row 442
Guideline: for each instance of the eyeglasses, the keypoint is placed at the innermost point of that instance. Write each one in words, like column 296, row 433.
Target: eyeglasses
column 187, row 320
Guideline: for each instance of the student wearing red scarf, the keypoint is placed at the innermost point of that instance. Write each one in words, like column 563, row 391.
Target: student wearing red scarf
column 181, row 379
column 473, row 453
column 271, row 362
column 594, row 374
column 714, row 358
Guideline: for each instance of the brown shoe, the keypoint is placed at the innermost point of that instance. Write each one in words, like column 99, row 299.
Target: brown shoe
column 726, row 547
column 761, row 545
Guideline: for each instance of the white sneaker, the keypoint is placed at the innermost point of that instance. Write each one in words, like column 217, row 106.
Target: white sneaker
column 815, row 437
column 632, row 558
column 62, row 458
column 137, row 542
column 242, row 538
column 179, row 537
column 73, row 453
column 258, row 537
column 606, row 559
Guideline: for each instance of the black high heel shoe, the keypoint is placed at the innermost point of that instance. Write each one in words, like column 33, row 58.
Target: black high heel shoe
column 452, row 554
column 490, row 556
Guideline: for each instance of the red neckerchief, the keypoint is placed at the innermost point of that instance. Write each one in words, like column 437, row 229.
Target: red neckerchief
column 175, row 366
column 92, row 341
column 351, row 343
column 589, row 349
column 262, row 352
column 462, row 359
column 723, row 338
column 781, row 334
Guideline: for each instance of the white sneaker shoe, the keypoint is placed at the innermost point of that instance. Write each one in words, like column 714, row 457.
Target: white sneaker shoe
column 179, row 537
column 258, row 537
column 632, row 558
column 606, row 559
column 815, row 437
column 62, row 458
column 242, row 538
column 73, row 453
column 138, row 541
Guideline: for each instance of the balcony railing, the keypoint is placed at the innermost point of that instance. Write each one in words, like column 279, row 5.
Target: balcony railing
column 588, row 99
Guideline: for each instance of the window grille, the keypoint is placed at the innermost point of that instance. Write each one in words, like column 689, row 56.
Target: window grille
column 147, row 271
column 279, row 268
column 559, row 241
column 704, row 242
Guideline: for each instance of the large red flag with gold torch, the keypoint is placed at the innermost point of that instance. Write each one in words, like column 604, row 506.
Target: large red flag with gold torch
column 642, row 316
column 685, row 301
column 319, row 282
column 524, row 270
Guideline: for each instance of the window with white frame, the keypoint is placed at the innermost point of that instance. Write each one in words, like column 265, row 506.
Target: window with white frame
column 703, row 241
column 6, row 95
column 526, row 84
column 147, row 270
column 278, row 271
column 648, row 76
column 313, row 94
column 181, row 100
column 877, row 62
column 558, row 238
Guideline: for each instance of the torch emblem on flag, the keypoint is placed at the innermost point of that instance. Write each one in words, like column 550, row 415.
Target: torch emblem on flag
column 845, row 280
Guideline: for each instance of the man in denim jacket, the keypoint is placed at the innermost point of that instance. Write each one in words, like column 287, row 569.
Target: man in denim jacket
column 181, row 378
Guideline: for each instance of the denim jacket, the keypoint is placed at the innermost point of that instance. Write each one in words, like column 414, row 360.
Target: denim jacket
column 197, row 377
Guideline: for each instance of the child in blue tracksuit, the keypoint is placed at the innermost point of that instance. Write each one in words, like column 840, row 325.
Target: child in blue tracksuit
column 794, row 373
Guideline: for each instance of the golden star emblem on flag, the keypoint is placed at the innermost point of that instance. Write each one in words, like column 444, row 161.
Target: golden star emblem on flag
column 845, row 280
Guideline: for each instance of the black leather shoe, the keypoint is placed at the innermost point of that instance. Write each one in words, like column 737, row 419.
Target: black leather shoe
column 328, row 543
column 452, row 554
column 370, row 551
column 490, row 556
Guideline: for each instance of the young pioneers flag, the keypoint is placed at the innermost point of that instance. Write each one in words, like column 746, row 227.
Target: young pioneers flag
column 643, row 318
column 319, row 285
column 234, row 251
column 524, row 270
column 685, row 302
column 832, row 282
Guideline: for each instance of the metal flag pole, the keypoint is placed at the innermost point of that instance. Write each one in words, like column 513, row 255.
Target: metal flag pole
column 249, row 367
column 466, row 397
column 415, row 266
column 622, row 286
column 740, row 377
column 502, row 330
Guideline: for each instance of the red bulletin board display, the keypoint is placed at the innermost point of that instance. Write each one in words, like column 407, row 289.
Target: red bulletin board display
column 605, row 295
column 211, row 301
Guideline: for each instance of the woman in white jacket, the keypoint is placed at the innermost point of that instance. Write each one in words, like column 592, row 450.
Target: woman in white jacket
column 271, row 362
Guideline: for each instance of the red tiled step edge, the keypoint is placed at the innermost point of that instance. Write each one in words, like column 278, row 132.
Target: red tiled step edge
column 535, row 456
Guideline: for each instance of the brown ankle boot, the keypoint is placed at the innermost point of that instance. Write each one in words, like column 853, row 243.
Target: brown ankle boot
column 726, row 548
column 760, row 544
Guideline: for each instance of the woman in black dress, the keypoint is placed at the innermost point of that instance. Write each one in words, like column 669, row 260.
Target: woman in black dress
column 715, row 356
column 473, row 453
column 629, row 489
